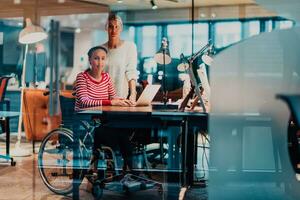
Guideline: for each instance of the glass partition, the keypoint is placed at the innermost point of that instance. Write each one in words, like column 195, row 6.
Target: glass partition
column 242, row 151
column 149, row 35
column 227, row 33
column 11, row 50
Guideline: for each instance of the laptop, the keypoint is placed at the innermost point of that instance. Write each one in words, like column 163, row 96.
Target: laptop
column 147, row 95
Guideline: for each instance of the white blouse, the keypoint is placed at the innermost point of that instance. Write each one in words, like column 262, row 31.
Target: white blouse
column 121, row 66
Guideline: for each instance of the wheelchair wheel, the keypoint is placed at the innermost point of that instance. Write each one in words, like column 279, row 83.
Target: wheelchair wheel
column 56, row 162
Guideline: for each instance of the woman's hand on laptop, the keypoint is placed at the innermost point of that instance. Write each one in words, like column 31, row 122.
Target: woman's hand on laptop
column 122, row 102
column 132, row 103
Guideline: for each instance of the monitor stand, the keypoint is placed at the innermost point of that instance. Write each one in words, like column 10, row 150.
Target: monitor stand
column 190, row 95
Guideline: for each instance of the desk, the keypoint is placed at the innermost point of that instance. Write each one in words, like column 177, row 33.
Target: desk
column 146, row 117
column 6, row 115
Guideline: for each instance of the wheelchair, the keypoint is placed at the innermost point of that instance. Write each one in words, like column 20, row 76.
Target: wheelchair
column 57, row 161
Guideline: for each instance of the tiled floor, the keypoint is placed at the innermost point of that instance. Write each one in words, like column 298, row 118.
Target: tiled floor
column 23, row 182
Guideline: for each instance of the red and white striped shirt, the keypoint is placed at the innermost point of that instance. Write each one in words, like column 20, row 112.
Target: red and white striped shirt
column 90, row 92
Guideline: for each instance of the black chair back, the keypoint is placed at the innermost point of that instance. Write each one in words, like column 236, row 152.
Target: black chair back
column 67, row 105
column 293, row 102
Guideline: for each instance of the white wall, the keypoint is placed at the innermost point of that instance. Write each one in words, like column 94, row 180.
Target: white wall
column 82, row 43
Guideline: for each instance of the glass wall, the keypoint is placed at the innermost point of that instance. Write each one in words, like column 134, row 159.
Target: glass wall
column 146, row 37
column 227, row 33
column 149, row 35
column 200, row 35
column 176, row 33
column 10, row 49
column 236, row 75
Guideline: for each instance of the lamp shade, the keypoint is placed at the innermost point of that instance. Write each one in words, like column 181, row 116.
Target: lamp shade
column 31, row 33
column 163, row 55
column 159, row 57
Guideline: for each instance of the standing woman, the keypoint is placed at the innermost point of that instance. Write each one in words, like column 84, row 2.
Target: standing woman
column 122, row 59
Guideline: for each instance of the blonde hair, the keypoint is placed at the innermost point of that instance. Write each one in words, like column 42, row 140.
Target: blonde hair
column 111, row 17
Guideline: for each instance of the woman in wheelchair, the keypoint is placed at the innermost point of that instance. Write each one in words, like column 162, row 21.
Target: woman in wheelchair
column 56, row 158
column 94, row 87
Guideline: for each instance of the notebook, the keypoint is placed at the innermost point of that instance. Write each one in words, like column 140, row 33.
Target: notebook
column 147, row 95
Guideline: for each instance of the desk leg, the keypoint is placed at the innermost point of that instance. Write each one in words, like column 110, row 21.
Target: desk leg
column 7, row 131
column 190, row 156
column 184, row 137
column 75, row 169
column 75, row 192
column 184, row 152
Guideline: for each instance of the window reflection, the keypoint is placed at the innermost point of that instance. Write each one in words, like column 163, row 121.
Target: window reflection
column 201, row 35
column 285, row 24
column 254, row 28
column 128, row 33
column 149, row 40
column 146, row 36
column 227, row 33
column 150, row 66
column 178, row 35
column 268, row 26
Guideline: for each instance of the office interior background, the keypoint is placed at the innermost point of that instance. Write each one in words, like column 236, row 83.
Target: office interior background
column 256, row 57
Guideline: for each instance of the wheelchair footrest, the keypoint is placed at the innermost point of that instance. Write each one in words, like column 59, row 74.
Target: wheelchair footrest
column 132, row 186
column 128, row 183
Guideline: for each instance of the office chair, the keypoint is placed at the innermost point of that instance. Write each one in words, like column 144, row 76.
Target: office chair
column 150, row 145
column 147, row 141
column 3, row 101
column 293, row 102
column 5, row 106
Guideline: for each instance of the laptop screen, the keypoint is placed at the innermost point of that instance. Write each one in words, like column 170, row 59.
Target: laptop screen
column 147, row 95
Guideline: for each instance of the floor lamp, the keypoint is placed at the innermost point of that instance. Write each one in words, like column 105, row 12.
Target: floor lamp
column 29, row 35
column 163, row 57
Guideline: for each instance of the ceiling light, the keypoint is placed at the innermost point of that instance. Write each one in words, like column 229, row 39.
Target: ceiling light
column 17, row 1
column 120, row 1
column 77, row 30
column 154, row 6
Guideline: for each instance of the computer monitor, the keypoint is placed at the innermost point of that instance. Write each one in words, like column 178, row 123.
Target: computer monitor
column 202, row 73
column 196, row 82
